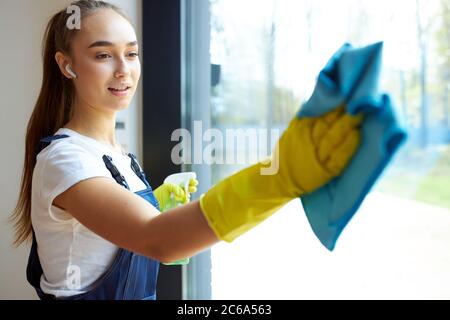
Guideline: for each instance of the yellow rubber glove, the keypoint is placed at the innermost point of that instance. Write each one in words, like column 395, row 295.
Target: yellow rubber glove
column 192, row 187
column 309, row 154
column 170, row 195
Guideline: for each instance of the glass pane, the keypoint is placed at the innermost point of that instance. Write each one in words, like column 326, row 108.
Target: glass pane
column 266, row 55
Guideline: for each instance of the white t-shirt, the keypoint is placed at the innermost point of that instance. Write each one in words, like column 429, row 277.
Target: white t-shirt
column 72, row 257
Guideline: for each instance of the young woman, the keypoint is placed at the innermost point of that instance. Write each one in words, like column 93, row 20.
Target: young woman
column 93, row 218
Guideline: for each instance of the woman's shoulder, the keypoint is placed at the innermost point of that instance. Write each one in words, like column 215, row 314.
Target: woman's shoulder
column 63, row 147
column 65, row 162
column 69, row 151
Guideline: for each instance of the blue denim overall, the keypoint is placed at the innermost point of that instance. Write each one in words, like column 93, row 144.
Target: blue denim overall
column 130, row 277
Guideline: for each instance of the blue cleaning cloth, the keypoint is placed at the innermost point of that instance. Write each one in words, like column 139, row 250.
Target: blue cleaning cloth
column 351, row 77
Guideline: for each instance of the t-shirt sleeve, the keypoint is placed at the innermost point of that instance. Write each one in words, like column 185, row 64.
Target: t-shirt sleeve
column 66, row 165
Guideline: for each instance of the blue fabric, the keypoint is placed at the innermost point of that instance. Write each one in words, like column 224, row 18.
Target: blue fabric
column 351, row 77
column 130, row 276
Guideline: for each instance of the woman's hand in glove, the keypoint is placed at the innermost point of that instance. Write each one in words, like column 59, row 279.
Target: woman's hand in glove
column 170, row 195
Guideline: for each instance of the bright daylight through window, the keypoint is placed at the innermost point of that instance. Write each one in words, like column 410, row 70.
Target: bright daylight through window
column 267, row 54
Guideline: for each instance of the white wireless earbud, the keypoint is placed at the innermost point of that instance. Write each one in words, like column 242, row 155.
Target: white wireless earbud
column 69, row 70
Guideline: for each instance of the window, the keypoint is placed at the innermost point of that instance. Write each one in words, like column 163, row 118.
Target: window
column 265, row 56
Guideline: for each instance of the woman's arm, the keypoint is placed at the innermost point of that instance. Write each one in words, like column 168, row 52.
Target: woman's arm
column 130, row 222
column 308, row 155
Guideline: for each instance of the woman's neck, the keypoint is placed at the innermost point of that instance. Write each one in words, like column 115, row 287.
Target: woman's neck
column 96, row 125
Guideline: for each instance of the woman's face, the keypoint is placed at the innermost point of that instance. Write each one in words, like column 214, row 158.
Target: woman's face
column 106, row 62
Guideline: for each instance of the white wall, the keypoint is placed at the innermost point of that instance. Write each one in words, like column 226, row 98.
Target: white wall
column 22, row 24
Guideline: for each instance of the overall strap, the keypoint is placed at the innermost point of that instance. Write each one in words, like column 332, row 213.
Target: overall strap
column 44, row 142
column 138, row 170
column 120, row 179
column 34, row 271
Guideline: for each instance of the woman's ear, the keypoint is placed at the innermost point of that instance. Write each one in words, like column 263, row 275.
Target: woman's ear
column 64, row 65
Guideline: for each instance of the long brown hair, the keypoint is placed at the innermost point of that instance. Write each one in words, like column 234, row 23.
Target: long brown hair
column 53, row 107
